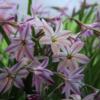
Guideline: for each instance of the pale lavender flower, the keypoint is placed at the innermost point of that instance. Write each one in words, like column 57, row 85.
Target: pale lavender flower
column 73, row 81
column 22, row 45
column 71, row 58
column 88, row 32
column 38, row 9
column 78, row 97
column 12, row 76
column 8, row 12
column 41, row 75
column 56, row 39
column 90, row 97
column 33, row 22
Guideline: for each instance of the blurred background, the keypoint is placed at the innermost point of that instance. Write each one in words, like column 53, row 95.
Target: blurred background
column 48, row 3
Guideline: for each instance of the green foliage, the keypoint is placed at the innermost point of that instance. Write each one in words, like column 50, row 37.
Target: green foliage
column 92, row 70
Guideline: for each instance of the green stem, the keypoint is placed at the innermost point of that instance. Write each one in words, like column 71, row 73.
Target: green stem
column 4, row 35
column 91, row 87
column 55, row 90
column 29, row 7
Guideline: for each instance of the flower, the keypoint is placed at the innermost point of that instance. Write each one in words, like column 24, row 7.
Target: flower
column 22, row 45
column 8, row 12
column 88, row 32
column 12, row 76
column 38, row 9
column 90, row 97
column 57, row 39
column 71, row 56
column 73, row 81
column 78, row 97
column 35, row 96
column 41, row 75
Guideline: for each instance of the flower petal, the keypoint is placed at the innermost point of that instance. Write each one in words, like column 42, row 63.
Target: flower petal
column 81, row 58
column 48, row 30
column 45, row 40
column 76, row 47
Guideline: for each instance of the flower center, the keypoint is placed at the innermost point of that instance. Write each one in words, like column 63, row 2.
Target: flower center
column 69, row 56
column 23, row 42
column 10, row 76
column 54, row 39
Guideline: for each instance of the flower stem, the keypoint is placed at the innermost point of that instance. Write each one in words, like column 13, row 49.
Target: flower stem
column 4, row 35
column 29, row 7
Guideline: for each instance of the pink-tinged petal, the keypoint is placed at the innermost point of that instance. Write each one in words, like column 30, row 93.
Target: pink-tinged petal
column 77, row 77
column 30, row 44
column 44, row 63
column 81, row 58
column 78, row 71
column 74, row 64
column 67, row 74
column 20, row 53
column 75, row 88
column 37, row 82
column 63, row 42
column 48, row 30
column 75, row 97
column 9, row 29
column 25, row 31
column 58, row 26
column 16, row 40
column 61, row 66
column 45, row 40
column 55, row 49
column 66, row 90
column 67, row 49
column 18, row 82
column 12, row 47
column 71, row 64
column 29, row 53
column 23, row 73
column 37, row 23
column 3, row 84
column 77, row 74
column 90, row 97
column 7, row 5
column 47, row 78
column 2, row 76
column 64, row 34
column 57, row 58
column 16, row 67
column 76, row 47
column 8, row 85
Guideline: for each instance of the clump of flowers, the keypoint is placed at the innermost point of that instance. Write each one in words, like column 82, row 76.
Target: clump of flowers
column 45, row 58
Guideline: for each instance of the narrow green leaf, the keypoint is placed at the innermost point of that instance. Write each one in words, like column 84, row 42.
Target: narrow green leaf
column 29, row 6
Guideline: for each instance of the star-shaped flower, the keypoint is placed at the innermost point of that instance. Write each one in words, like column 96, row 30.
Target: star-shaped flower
column 38, row 9
column 12, row 76
column 71, row 58
column 41, row 75
column 73, row 81
column 8, row 12
column 22, row 45
column 57, row 39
